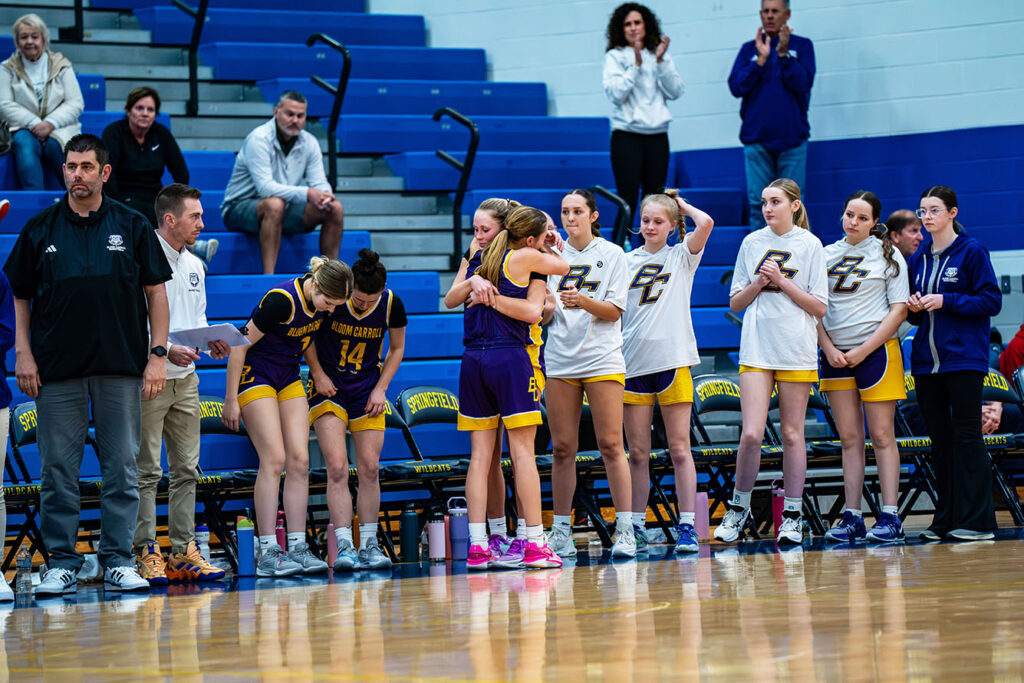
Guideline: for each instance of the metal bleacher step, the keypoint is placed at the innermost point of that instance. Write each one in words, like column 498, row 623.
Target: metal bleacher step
column 170, row 91
column 131, row 56
column 371, row 184
column 415, row 262
column 56, row 16
column 155, row 71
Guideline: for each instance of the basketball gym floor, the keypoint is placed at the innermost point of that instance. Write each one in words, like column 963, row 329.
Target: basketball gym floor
column 748, row 612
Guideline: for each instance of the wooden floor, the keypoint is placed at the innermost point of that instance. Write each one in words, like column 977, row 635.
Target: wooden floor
column 943, row 612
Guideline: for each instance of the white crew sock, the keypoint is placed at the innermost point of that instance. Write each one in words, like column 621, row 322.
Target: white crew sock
column 793, row 505
column 497, row 526
column 267, row 541
column 295, row 538
column 687, row 517
column 741, row 498
column 535, row 534
column 367, row 533
column 478, row 534
column 343, row 533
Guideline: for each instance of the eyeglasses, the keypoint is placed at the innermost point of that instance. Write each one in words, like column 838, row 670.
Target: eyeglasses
column 922, row 213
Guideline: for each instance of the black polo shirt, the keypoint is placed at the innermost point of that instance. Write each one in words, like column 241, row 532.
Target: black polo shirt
column 84, row 277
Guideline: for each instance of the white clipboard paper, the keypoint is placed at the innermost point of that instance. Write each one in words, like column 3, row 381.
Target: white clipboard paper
column 200, row 337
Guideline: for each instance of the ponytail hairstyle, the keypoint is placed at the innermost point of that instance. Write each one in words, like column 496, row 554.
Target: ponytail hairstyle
column 588, row 197
column 523, row 222
column 878, row 229
column 948, row 197
column 498, row 208
column 792, row 192
column 369, row 273
column 332, row 277
column 668, row 201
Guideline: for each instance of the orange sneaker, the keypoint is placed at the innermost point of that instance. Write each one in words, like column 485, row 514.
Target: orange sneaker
column 151, row 565
column 191, row 566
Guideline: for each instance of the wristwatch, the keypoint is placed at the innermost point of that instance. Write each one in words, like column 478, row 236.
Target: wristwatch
column 158, row 351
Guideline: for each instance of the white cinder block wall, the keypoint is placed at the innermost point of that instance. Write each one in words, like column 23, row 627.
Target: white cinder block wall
column 884, row 66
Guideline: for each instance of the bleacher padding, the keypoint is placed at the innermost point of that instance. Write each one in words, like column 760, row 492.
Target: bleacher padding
column 170, row 25
column 424, row 171
column 257, row 61
column 375, row 134
column 308, row 5
column 408, row 97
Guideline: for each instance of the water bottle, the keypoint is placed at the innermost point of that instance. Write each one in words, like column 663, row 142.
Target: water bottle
column 282, row 535
column 245, row 534
column 435, row 536
column 23, row 579
column 203, row 541
column 778, row 505
column 408, row 534
column 332, row 545
column 458, row 527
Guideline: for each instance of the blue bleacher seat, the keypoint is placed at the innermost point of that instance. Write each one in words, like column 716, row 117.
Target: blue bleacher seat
column 256, row 61
column 94, row 91
column 308, row 5
column 424, row 171
column 172, row 26
column 208, row 170
column 95, row 121
column 375, row 134
column 723, row 246
column 407, row 97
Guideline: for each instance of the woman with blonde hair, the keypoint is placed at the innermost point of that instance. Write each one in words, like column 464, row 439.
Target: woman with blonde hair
column 40, row 101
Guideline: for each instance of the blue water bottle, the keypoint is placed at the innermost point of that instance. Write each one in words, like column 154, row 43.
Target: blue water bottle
column 245, row 534
column 458, row 528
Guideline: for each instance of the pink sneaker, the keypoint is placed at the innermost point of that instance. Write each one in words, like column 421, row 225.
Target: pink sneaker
column 479, row 558
column 541, row 557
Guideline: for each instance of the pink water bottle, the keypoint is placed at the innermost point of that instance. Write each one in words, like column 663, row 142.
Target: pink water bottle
column 778, row 505
column 282, row 535
column 332, row 545
column 701, row 521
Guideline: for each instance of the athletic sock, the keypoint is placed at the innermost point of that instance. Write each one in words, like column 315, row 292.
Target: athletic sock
column 687, row 517
column 367, row 533
column 267, row 541
column 624, row 521
column 563, row 522
column 497, row 526
column 343, row 533
column 295, row 538
column 521, row 528
column 856, row 513
column 889, row 509
column 478, row 534
column 741, row 498
column 535, row 534
column 794, row 505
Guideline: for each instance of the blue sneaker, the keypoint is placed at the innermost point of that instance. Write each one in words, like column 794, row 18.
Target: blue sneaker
column 687, row 539
column 641, row 538
column 887, row 529
column 849, row 529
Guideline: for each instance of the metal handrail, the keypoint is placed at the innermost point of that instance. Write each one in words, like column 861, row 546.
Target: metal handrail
column 339, row 96
column 199, row 18
column 464, row 168
column 76, row 33
column 622, row 216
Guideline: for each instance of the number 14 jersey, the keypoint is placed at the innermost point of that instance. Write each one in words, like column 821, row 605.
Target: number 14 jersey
column 349, row 342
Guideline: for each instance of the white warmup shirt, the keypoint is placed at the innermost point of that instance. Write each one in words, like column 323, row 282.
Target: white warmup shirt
column 861, row 285
column 657, row 331
column 579, row 344
column 778, row 334
column 639, row 94
column 186, row 298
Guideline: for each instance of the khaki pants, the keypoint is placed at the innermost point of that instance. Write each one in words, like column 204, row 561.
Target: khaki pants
column 172, row 417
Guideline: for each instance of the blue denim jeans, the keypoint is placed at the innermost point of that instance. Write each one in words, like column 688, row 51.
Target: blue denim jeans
column 764, row 166
column 32, row 159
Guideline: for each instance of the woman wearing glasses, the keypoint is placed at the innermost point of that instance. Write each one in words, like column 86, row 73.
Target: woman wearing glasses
column 954, row 295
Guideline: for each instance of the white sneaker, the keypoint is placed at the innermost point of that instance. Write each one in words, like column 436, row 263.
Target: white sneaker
column 733, row 522
column 6, row 592
column 791, row 530
column 625, row 542
column 57, row 581
column 561, row 542
column 123, row 579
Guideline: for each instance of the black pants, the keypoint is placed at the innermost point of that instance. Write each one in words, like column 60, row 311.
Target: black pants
column 951, row 407
column 639, row 162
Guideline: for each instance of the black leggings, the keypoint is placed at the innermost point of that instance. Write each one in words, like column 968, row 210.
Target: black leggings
column 951, row 407
column 639, row 162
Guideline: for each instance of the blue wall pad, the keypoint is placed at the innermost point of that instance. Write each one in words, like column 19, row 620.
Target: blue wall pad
column 256, row 61
column 405, row 97
column 307, row 5
column 374, row 134
column 172, row 26
column 424, row 171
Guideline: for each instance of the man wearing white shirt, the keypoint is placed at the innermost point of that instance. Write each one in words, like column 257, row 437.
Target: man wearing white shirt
column 173, row 415
column 278, row 184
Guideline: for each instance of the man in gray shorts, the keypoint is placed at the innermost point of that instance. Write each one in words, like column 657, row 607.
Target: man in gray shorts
column 278, row 184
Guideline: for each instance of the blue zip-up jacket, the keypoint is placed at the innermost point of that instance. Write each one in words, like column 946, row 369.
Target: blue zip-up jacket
column 954, row 337
column 776, row 95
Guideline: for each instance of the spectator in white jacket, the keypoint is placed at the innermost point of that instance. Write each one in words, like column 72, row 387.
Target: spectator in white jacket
column 40, row 101
column 639, row 78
